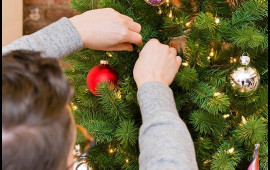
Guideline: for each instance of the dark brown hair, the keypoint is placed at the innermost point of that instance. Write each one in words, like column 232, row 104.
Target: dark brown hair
column 36, row 124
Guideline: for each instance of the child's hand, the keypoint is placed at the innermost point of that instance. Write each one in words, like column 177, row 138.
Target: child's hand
column 157, row 62
column 107, row 29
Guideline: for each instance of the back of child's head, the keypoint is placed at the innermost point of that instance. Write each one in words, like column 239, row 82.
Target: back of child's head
column 36, row 124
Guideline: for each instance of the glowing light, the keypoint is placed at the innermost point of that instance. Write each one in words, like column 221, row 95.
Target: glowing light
column 188, row 24
column 111, row 150
column 226, row 116
column 170, row 14
column 168, row 2
column 231, row 151
column 109, row 54
column 212, row 53
column 208, row 58
column 217, row 94
column 127, row 161
column 74, row 107
column 244, row 121
column 160, row 11
column 234, row 60
column 118, row 94
column 217, row 20
column 207, row 161
column 185, row 63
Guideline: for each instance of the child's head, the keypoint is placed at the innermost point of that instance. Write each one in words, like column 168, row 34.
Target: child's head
column 37, row 126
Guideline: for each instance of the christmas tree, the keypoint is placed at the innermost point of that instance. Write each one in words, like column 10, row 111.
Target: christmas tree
column 225, row 119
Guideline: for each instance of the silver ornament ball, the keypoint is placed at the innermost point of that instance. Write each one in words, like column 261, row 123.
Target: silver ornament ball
column 155, row 2
column 244, row 79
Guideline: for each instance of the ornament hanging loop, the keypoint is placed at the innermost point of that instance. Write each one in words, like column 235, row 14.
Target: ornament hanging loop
column 245, row 59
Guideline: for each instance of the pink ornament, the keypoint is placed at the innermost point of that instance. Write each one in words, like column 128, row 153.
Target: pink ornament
column 255, row 161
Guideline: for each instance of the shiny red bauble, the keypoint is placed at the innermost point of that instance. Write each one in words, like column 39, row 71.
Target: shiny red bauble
column 101, row 73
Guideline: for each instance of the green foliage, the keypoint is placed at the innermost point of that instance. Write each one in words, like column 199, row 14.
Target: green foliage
column 81, row 5
column 248, row 36
column 206, row 21
column 225, row 160
column 127, row 133
column 204, row 149
column 196, row 54
column 209, row 98
column 111, row 103
column 201, row 90
column 252, row 132
column 251, row 10
column 186, row 77
column 207, row 123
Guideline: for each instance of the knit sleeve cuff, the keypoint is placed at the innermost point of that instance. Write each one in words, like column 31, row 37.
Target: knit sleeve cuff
column 155, row 98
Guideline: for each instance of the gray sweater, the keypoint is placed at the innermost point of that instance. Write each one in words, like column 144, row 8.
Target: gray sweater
column 164, row 140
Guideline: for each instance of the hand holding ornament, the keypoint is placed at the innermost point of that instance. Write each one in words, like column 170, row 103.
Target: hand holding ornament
column 157, row 62
column 107, row 30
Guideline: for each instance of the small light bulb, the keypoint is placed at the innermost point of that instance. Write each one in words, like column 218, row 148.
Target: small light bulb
column 188, row 24
column 127, row 161
column 234, row 60
column 160, row 11
column 207, row 161
column 217, row 94
column 226, row 116
column 212, row 53
column 111, row 150
column 244, row 121
column 231, row 150
column 75, row 107
column 168, row 2
column 109, row 54
column 208, row 58
column 185, row 63
column 170, row 14
column 118, row 94
column 217, row 20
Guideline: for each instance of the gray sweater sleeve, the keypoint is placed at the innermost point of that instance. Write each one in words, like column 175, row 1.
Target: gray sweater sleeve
column 164, row 140
column 56, row 40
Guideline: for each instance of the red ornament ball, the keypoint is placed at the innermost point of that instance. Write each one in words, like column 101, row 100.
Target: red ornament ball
column 101, row 73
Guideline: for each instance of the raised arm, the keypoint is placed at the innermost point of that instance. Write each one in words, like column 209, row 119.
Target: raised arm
column 164, row 140
column 56, row 40
column 100, row 29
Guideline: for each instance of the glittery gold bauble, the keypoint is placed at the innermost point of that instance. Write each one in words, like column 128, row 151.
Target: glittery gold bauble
column 155, row 2
column 244, row 79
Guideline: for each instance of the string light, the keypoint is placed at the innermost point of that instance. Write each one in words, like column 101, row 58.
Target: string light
column 170, row 14
column 160, row 11
column 212, row 53
column 217, row 94
column 127, row 161
column 207, row 161
column 231, row 151
column 217, row 20
column 208, row 58
column 118, row 94
column 226, row 116
column 185, row 63
column 168, row 2
column 188, row 24
column 109, row 54
column 111, row 150
column 74, row 107
column 244, row 121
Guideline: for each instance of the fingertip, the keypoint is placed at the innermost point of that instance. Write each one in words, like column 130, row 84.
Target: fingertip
column 179, row 60
column 129, row 48
column 139, row 40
